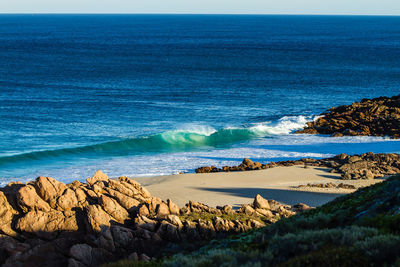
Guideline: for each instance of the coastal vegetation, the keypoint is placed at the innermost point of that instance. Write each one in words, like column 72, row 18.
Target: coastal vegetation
column 362, row 228
column 105, row 220
column 47, row 223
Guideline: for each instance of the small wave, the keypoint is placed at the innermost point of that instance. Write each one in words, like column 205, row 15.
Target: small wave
column 169, row 141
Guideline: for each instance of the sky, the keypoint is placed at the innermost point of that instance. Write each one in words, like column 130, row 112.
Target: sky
column 347, row 7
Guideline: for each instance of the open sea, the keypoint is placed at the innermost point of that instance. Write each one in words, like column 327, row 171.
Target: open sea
column 146, row 95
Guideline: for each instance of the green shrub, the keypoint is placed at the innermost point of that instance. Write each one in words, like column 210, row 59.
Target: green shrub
column 380, row 248
column 359, row 229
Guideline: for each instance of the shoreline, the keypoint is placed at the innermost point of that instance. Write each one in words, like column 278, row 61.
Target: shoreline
column 235, row 188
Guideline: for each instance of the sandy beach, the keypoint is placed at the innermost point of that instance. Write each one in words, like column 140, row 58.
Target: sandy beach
column 236, row 188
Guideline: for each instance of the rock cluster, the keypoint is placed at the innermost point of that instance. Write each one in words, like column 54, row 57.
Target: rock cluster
column 49, row 223
column 246, row 165
column 329, row 185
column 377, row 117
column 364, row 166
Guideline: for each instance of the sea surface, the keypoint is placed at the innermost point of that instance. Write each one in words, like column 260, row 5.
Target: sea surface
column 146, row 95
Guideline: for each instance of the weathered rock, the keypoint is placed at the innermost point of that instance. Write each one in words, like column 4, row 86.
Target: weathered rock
column 266, row 213
column 29, row 200
column 300, row 207
column 261, row 203
column 162, row 210
column 98, row 176
column 377, row 117
column 80, row 197
column 97, row 219
column 47, row 224
column 9, row 247
column 49, row 188
column 45, row 254
column 123, row 237
column 227, row 209
column 154, row 202
column 67, row 200
column 206, row 229
column 175, row 220
column 146, row 223
column 274, row 205
column 128, row 203
column 118, row 186
column 200, row 207
column 168, row 231
column 222, row 225
column 329, row 185
column 364, row 166
column 173, row 208
column 246, row 165
column 136, row 188
column 255, row 224
column 143, row 210
column 91, row 224
column 247, row 209
column 285, row 212
column 6, row 216
column 205, row 170
column 191, row 232
column 82, row 253
column 114, row 209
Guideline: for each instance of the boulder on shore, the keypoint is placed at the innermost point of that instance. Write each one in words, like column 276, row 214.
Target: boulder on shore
column 49, row 223
column 377, row 117
column 364, row 166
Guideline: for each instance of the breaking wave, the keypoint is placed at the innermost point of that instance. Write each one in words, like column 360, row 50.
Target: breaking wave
column 169, row 141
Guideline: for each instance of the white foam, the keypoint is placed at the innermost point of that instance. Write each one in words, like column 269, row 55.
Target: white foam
column 196, row 128
column 283, row 126
column 281, row 147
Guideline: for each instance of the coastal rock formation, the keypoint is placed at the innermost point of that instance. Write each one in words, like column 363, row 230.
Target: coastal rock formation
column 329, row 185
column 377, row 117
column 48, row 223
column 246, row 165
column 359, row 229
column 364, row 166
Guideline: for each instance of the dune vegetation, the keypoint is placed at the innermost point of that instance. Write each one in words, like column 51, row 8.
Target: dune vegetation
column 362, row 228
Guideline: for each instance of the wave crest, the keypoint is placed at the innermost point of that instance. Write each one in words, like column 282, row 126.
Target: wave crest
column 170, row 141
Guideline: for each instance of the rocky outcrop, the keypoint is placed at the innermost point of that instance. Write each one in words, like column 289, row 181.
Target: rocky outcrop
column 246, row 165
column 48, row 223
column 364, row 166
column 329, row 185
column 377, row 117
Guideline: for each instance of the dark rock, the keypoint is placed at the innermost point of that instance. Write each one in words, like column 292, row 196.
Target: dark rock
column 377, row 117
column 48, row 223
column 364, row 166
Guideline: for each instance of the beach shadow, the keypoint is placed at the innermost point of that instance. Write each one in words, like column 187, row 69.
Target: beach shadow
column 325, row 169
column 289, row 197
column 330, row 177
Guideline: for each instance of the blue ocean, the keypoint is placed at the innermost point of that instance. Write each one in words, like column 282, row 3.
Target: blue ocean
column 147, row 95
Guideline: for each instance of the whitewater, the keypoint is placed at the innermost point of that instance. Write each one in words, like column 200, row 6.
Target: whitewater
column 181, row 151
